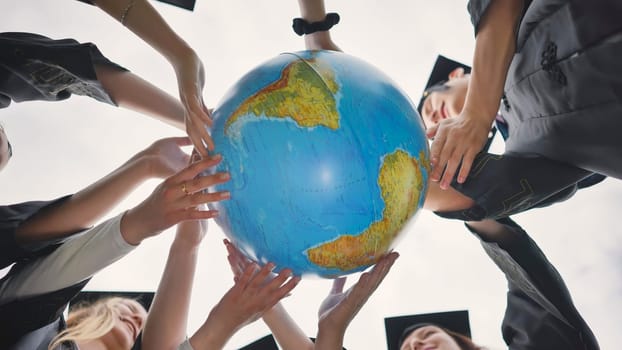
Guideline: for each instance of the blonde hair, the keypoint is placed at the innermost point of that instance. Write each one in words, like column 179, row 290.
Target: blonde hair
column 88, row 322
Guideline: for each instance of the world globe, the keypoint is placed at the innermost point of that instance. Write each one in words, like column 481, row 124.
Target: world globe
column 328, row 162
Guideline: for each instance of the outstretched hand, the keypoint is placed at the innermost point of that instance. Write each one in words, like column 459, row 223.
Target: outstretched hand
column 253, row 294
column 456, row 143
column 165, row 157
column 255, row 291
column 175, row 200
column 339, row 307
column 241, row 266
column 190, row 80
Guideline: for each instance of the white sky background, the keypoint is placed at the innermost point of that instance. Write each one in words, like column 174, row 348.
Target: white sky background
column 61, row 147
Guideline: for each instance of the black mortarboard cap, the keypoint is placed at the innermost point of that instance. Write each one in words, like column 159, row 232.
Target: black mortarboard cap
column 442, row 67
column 144, row 298
column 265, row 343
column 456, row 321
column 184, row 4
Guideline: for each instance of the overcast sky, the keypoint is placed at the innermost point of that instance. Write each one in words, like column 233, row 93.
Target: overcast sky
column 61, row 147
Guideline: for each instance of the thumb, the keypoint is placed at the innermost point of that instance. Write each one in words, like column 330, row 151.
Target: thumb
column 431, row 132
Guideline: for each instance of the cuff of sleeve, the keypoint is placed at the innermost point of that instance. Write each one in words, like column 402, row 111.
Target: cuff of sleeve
column 185, row 345
column 119, row 240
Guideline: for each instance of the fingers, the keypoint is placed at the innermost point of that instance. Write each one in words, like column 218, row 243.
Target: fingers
column 338, row 284
column 465, row 169
column 197, row 121
column 194, row 169
column 369, row 281
column 451, row 165
column 445, row 158
column 208, row 112
column 196, row 139
column 431, row 132
column 182, row 141
column 438, row 145
column 279, row 287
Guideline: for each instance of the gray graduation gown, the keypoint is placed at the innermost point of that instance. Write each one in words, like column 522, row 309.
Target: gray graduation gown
column 564, row 84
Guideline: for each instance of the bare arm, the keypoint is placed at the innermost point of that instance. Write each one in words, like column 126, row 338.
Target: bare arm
column 132, row 92
column 88, row 206
column 445, row 200
column 244, row 303
column 339, row 308
column 459, row 139
column 144, row 21
column 168, row 315
column 283, row 327
column 285, row 330
column 314, row 11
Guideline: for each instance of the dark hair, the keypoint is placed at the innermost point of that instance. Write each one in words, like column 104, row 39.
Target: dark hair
column 464, row 342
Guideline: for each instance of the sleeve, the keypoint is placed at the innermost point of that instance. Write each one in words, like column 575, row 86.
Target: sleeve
column 476, row 9
column 75, row 260
column 540, row 313
column 185, row 345
column 504, row 185
column 37, row 68
column 11, row 217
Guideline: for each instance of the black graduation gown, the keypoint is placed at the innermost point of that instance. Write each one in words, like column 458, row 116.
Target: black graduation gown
column 35, row 67
column 540, row 314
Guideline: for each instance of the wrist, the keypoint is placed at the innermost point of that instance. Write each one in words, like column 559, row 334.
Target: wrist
column 329, row 338
column 180, row 53
column 186, row 243
column 131, row 227
column 213, row 334
column 319, row 41
column 482, row 117
column 142, row 166
column 302, row 26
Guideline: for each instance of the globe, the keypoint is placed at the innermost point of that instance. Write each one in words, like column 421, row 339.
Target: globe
column 328, row 162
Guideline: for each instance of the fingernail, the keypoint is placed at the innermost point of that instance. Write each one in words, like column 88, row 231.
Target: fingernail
column 224, row 195
column 223, row 176
column 461, row 179
column 215, row 157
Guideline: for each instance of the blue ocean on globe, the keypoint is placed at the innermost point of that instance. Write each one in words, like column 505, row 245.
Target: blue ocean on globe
column 328, row 161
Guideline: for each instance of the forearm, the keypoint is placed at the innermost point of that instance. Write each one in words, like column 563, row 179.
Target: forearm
column 212, row 335
column 86, row 207
column 329, row 338
column 285, row 330
column 450, row 199
column 132, row 92
column 166, row 324
column 494, row 48
column 144, row 21
column 75, row 260
column 314, row 11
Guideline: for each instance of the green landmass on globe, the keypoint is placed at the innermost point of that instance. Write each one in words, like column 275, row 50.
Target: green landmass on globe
column 401, row 185
column 305, row 92
column 328, row 161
